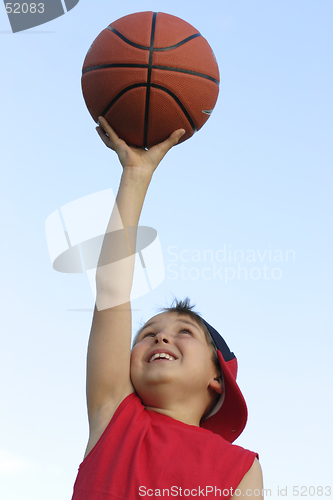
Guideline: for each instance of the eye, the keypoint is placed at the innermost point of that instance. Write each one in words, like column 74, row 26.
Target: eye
column 149, row 334
column 188, row 332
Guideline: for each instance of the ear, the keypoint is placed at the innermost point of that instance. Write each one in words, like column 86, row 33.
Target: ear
column 216, row 385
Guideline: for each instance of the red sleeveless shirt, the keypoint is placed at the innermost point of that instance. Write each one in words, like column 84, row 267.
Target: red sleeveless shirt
column 145, row 454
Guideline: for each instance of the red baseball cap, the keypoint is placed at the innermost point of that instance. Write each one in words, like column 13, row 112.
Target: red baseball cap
column 229, row 416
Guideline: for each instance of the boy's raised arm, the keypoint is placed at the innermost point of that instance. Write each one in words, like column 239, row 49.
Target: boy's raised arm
column 108, row 360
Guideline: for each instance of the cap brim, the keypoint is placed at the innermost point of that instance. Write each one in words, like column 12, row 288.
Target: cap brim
column 230, row 420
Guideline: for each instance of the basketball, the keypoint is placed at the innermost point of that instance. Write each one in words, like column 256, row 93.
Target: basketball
column 149, row 74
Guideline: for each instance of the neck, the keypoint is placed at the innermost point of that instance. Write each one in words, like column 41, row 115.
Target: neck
column 188, row 410
column 181, row 414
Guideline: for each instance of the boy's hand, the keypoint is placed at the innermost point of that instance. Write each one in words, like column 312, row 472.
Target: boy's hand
column 131, row 156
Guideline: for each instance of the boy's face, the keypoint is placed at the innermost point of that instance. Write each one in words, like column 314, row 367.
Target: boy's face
column 172, row 352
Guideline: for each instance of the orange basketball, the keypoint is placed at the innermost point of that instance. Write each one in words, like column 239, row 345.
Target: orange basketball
column 149, row 74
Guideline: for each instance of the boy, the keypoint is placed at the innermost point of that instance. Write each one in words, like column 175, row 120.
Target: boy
column 150, row 409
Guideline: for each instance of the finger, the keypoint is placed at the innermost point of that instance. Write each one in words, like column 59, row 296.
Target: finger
column 108, row 129
column 170, row 141
column 174, row 138
column 177, row 134
column 116, row 143
column 106, row 139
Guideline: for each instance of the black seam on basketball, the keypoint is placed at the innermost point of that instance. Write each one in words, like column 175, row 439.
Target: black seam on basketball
column 178, row 101
column 150, row 63
column 153, row 66
column 115, row 65
column 116, row 32
column 187, row 71
column 130, row 87
column 156, row 49
column 171, row 47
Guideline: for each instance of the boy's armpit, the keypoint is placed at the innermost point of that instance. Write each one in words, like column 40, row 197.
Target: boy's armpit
column 101, row 420
column 251, row 486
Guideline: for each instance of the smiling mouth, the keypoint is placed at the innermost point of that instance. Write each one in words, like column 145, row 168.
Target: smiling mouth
column 161, row 356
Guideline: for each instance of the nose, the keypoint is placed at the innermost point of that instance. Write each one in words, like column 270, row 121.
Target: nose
column 161, row 337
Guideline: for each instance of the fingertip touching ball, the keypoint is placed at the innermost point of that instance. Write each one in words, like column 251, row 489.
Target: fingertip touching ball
column 149, row 74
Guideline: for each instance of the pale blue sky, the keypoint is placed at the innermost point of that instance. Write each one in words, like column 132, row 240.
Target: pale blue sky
column 257, row 177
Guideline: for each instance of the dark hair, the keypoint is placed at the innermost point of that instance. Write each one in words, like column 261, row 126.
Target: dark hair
column 184, row 308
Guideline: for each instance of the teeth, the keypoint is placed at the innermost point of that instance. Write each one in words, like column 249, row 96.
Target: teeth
column 161, row 355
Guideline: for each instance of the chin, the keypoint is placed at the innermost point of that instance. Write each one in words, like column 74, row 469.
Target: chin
column 154, row 388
